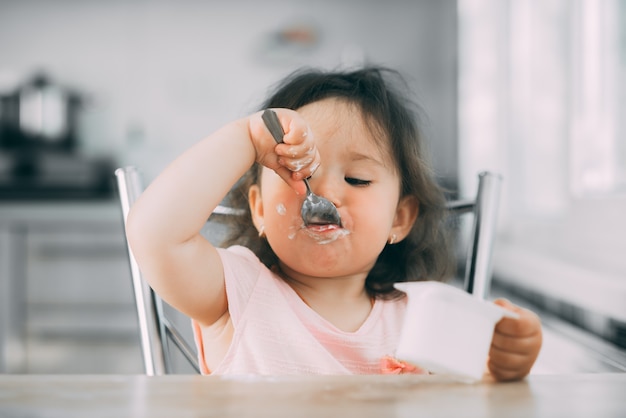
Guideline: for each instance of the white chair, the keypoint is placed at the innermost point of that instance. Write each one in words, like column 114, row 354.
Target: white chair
column 157, row 329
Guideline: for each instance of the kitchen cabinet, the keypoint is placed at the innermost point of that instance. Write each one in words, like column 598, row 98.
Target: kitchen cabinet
column 64, row 277
column 76, row 264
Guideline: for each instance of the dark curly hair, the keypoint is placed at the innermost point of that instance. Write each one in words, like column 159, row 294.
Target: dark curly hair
column 426, row 253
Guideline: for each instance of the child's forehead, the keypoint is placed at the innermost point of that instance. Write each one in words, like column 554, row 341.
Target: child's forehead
column 348, row 127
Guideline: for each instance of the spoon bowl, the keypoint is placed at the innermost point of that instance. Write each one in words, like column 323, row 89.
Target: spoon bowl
column 316, row 210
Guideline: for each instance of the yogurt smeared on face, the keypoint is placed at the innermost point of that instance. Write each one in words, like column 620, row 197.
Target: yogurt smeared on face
column 281, row 209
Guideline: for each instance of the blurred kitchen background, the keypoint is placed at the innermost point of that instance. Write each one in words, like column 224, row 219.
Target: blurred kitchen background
column 532, row 89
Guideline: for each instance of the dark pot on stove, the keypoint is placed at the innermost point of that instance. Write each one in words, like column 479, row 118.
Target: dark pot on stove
column 39, row 115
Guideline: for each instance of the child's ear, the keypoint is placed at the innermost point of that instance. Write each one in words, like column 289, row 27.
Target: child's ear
column 255, row 200
column 406, row 215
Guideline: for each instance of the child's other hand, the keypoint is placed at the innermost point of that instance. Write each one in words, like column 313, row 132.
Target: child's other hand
column 515, row 345
column 295, row 159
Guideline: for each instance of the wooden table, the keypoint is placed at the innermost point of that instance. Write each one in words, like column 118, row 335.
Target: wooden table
column 579, row 395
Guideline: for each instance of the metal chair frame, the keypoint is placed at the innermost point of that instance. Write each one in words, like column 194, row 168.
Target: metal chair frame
column 479, row 263
column 156, row 329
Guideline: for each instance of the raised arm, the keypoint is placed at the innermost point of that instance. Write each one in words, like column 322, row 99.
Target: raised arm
column 164, row 224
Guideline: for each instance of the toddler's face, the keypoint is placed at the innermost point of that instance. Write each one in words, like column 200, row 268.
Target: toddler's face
column 358, row 175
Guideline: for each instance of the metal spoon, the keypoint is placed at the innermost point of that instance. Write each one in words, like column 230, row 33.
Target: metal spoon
column 316, row 210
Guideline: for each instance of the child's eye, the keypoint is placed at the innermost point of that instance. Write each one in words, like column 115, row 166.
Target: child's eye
column 357, row 182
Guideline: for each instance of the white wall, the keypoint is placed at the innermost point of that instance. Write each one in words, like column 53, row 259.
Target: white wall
column 162, row 74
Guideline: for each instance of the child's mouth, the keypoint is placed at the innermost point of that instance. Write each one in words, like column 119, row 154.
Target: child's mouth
column 321, row 228
column 325, row 233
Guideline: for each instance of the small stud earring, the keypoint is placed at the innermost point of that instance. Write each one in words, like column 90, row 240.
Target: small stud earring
column 262, row 231
column 392, row 239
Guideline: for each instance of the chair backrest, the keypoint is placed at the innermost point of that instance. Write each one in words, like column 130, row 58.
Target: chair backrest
column 156, row 329
column 482, row 234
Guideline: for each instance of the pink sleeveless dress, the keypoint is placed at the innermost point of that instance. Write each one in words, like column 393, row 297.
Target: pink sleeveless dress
column 269, row 330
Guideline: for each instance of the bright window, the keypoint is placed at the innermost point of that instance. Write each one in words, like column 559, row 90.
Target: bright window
column 542, row 100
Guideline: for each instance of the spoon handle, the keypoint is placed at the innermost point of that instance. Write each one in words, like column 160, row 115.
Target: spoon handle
column 273, row 125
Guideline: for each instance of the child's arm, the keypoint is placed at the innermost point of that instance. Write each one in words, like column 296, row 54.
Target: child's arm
column 164, row 224
column 515, row 345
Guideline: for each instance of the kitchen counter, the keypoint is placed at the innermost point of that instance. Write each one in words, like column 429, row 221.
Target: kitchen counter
column 57, row 254
column 577, row 395
column 52, row 212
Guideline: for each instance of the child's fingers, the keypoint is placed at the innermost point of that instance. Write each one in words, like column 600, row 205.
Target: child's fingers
column 298, row 152
column 507, row 304
column 527, row 324
column 288, row 176
column 303, row 161
column 519, row 345
column 296, row 132
column 505, row 365
column 515, row 344
column 295, row 157
column 506, row 360
column 507, row 373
